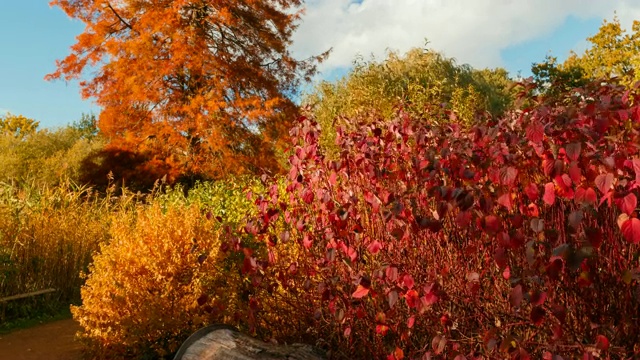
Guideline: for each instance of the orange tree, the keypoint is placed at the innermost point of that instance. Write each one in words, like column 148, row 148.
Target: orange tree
column 189, row 85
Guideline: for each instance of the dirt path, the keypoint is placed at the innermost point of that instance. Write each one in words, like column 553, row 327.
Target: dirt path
column 52, row 341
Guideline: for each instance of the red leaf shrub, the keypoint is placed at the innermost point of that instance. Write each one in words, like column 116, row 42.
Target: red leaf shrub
column 411, row 224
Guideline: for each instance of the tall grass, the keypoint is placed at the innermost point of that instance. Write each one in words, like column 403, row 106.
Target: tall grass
column 48, row 236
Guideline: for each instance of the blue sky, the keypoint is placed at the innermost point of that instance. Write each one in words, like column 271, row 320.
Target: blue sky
column 516, row 34
column 33, row 37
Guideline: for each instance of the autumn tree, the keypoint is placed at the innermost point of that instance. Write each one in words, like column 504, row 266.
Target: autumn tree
column 420, row 79
column 613, row 52
column 191, row 86
column 17, row 126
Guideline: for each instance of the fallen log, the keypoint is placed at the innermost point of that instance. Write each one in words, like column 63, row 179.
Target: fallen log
column 31, row 294
column 217, row 342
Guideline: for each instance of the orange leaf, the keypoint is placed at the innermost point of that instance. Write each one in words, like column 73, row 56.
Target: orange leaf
column 360, row 292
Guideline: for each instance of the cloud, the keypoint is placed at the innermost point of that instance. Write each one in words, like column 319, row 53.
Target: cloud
column 471, row 31
column 4, row 111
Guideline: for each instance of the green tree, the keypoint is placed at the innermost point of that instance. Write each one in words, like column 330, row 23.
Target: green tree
column 613, row 52
column 46, row 157
column 87, row 126
column 421, row 80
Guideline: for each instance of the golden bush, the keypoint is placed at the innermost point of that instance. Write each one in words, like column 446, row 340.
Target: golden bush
column 154, row 283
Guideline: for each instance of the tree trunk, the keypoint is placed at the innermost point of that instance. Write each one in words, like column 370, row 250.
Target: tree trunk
column 217, row 342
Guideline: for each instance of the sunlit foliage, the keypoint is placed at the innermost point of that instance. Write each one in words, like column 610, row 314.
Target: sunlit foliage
column 189, row 87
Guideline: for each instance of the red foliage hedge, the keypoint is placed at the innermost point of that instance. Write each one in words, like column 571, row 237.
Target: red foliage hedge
column 515, row 239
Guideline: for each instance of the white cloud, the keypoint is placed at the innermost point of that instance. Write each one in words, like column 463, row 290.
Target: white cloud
column 472, row 31
column 4, row 111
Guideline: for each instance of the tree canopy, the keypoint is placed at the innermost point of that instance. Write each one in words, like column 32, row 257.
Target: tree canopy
column 612, row 52
column 421, row 80
column 17, row 126
column 190, row 86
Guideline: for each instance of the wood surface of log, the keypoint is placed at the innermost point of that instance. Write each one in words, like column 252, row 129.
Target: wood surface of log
column 218, row 342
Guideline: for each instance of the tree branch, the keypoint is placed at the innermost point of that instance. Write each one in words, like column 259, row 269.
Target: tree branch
column 121, row 19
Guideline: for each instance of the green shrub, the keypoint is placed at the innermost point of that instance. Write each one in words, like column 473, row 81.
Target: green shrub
column 423, row 80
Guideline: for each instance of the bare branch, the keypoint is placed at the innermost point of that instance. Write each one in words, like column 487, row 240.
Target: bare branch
column 121, row 19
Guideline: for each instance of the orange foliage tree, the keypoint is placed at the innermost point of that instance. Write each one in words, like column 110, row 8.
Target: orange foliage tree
column 196, row 87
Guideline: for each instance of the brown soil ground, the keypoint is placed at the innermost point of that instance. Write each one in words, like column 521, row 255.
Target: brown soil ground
column 52, row 341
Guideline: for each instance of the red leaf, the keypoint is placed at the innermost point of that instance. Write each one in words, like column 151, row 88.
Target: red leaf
column 392, row 298
column 532, row 210
column 538, row 298
column 333, row 178
column 508, row 175
column 374, row 247
column 554, row 268
column 429, row 299
column 500, row 257
column 586, row 196
column 622, row 218
column 505, row 200
column 360, row 292
column 590, row 196
column 398, row 354
column 548, row 165
column 549, row 193
column 575, row 173
column 559, row 312
column 573, row 151
column 392, row 273
column 594, row 236
column 506, row 273
column 306, row 241
column 537, row 315
column 628, row 203
column 412, row 298
column 602, row 342
column 381, row 329
column 438, row 343
column 607, row 198
column 631, row 230
column 532, row 192
column 408, row 281
column 557, row 335
column 347, row 331
column 307, row 196
column 636, row 169
column 604, row 182
column 411, row 321
column 515, row 297
column 564, row 181
column 491, row 224
column 623, row 114
column 463, row 218
column 535, row 132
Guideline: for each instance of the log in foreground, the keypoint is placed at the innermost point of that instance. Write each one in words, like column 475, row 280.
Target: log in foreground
column 217, row 342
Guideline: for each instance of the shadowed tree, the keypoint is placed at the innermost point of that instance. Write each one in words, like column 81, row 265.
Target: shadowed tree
column 197, row 86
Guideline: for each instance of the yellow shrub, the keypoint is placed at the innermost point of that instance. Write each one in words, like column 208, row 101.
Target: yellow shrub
column 154, row 283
